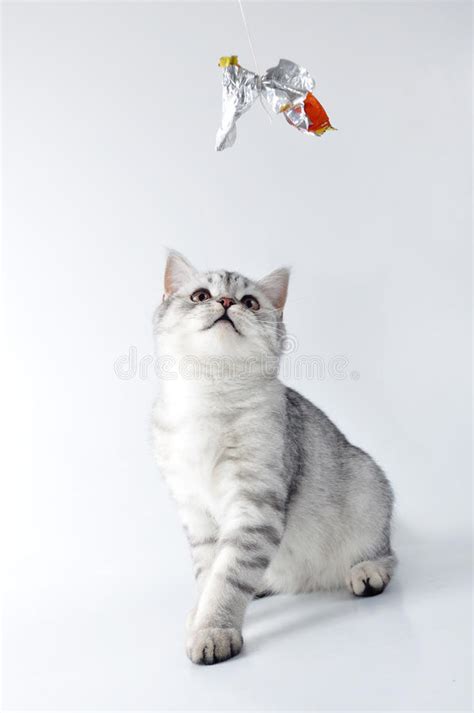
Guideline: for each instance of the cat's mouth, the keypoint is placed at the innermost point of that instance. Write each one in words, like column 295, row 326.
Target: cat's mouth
column 224, row 318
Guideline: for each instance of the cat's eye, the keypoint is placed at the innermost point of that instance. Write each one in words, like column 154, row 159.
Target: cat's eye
column 250, row 302
column 201, row 295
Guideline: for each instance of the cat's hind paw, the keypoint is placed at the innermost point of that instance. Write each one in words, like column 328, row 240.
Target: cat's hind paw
column 210, row 646
column 367, row 579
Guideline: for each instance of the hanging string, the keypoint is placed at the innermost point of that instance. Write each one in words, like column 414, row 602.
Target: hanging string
column 249, row 38
column 244, row 19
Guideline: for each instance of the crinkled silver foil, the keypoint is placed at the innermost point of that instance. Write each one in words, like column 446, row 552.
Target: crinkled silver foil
column 296, row 117
column 240, row 88
column 286, row 84
column 283, row 87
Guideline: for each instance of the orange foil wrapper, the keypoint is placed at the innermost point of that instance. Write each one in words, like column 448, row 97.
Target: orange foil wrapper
column 309, row 116
column 318, row 119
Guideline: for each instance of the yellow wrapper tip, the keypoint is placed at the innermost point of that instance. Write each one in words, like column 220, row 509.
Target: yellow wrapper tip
column 320, row 132
column 227, row 61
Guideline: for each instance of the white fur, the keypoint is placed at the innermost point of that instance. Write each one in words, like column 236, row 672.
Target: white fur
column 224, row 443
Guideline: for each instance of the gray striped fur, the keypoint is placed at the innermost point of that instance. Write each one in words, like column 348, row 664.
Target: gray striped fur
column 272, row 495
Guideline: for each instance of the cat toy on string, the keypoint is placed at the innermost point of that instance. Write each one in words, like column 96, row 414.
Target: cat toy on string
column 285, row 89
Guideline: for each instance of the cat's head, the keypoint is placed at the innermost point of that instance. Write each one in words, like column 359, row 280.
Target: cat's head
column 220, row 313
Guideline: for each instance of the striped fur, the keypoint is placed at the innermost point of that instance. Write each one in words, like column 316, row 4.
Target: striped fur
column 272, row 496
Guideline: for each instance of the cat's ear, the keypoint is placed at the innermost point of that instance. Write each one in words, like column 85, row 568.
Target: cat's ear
column 178, row 270
column 275, row 286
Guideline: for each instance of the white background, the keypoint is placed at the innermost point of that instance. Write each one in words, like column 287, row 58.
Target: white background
column 110, row 112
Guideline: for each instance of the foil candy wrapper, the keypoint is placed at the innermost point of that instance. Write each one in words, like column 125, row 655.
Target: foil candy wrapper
column 286, row 89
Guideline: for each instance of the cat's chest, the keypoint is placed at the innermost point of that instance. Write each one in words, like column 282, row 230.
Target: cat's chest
column 197, row 443
column 202, row 474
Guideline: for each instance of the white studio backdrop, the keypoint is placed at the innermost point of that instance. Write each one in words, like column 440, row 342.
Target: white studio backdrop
column 109, row 116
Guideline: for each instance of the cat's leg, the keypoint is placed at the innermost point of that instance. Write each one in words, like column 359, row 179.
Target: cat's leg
column 202, row 533
column 245, row 549
column 369, row 522
column 370, row 577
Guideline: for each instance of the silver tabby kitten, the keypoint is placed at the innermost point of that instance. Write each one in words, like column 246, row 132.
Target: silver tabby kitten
column 272, row 496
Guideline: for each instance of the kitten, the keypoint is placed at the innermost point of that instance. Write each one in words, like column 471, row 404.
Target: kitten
column 272, row 496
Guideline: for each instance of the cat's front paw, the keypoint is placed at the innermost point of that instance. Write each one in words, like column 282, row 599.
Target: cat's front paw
column 209, row 646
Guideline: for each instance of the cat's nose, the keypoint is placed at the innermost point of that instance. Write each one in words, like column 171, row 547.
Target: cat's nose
column 226, row 302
